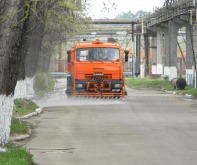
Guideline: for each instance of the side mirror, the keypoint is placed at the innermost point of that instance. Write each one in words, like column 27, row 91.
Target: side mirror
column 126, row 52
column 68, row 53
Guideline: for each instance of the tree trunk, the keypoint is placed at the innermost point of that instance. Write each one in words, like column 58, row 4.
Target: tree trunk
column 36, row 38
column 24, row 89
column 11, row 39
column 6, row 106
column 31, row 49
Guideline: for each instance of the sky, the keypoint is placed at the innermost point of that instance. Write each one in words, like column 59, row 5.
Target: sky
column 96, row 7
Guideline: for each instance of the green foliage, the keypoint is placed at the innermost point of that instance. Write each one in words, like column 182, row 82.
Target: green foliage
column 15, row 156
column 43, row 82
column 188, row 90
column 24, row 106
column 27, row 8
column 51, row 83
column 65, row 18
column 18, row 127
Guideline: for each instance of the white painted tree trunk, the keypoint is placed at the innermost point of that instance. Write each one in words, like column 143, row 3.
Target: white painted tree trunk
column 24, row 89
column 6, row 107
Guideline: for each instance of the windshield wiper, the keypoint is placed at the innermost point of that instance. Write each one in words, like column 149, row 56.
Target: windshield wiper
column 92, row 60
column 98, row 60
column 109, row 60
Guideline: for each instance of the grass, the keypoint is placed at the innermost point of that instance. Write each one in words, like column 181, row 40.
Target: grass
column 154, row 83
column 18, row 127
column 15, row 156
column 188, row 90
column 23, row 107
column 159, row 84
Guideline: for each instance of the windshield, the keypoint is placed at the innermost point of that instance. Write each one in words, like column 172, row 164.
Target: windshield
column 98, row 54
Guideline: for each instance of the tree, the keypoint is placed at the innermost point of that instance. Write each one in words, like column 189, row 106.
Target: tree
column 31, row 47
column 13, row 22
column 16, row 47
column 22, row 26
column 64, row 20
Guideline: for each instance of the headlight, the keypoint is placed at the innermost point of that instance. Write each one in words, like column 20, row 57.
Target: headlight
column 116, row 85
column 79, row 85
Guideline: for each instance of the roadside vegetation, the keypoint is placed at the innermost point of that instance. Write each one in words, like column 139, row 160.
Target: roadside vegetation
column 23, row 107
column 18, row 127
column 15, row 155
column 159, row 84
column 43, row 83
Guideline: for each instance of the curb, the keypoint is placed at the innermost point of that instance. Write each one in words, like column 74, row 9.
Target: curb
column 21, row 137
column 38, row 111
column 174, row 93
column 188, row 96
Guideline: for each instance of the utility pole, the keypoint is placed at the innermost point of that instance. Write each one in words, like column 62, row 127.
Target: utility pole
column 133, row 52
column 146, row 47
column 138, row 55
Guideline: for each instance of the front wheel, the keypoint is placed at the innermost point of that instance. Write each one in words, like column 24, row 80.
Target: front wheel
column 68, row 92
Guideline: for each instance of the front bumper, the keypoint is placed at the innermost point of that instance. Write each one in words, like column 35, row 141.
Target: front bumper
column 107, row 88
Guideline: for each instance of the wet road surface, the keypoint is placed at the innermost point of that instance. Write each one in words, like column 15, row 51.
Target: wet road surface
column 146, row 128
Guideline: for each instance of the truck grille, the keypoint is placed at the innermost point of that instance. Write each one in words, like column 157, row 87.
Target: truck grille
column 91, row 76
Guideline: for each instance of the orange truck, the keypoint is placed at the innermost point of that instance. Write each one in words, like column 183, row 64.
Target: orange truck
column 95, row 70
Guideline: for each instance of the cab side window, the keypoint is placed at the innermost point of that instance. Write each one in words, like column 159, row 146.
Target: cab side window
column 82, row 55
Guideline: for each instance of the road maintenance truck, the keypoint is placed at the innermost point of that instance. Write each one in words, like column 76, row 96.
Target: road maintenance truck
column 95, row 70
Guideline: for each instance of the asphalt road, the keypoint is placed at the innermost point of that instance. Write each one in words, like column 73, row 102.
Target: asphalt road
column 147, row 128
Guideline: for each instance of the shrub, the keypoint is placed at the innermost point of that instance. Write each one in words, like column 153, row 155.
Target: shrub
column 43, row 82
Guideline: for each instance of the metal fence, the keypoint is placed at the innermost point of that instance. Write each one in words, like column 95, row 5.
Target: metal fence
column 191, row 79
